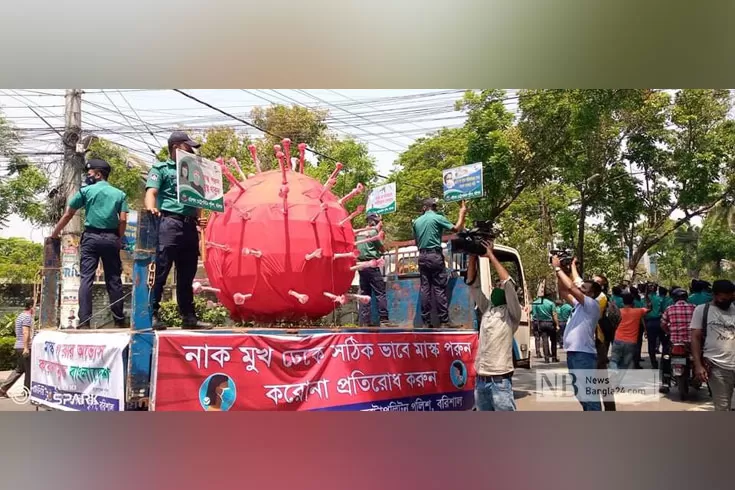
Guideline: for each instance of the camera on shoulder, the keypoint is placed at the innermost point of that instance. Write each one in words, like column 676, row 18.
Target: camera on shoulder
column 565, row 258
column 469, row 242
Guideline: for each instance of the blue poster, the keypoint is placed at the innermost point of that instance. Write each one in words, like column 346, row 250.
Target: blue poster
column 130, row 231
column 462, row 183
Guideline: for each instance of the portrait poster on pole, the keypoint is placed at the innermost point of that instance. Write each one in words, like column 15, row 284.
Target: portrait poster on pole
column 199, row 182
column 462, row 183
column 382, row 199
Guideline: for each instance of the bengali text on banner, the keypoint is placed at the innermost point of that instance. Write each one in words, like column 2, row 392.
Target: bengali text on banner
column 340, row 371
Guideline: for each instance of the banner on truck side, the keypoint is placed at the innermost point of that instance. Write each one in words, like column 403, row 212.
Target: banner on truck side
column 199, row 182
column 79, row 372
column 382, row 199
column 340, row 371
column 462, row 183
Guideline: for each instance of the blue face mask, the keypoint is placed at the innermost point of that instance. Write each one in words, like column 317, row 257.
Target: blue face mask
column 227, row 396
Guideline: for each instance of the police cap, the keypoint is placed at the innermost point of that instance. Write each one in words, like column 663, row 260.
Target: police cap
column 182, row 137
column 97, row 164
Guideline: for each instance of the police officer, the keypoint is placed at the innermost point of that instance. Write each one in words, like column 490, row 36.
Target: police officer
column 427, row 230
column 178, row 236
column 371, row 278
column 106, row 216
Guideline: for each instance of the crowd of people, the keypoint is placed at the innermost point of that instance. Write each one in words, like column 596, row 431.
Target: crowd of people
column 604, row 329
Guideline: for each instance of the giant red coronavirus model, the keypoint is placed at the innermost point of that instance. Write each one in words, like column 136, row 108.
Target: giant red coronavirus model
column 284, row 247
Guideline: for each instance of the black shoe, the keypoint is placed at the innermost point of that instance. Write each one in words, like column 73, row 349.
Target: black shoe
column 546, row 360
column 158, row 324
column 4, row 394
column 194, row 324
column 84, row 326
column 555, row 360
column 637, row 366
column 387, row 324
column 124, row 323
column 449, row 326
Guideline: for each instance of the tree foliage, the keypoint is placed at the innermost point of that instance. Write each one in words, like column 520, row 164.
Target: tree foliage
column 127, row 175
column 21, row 182
column 20, row 260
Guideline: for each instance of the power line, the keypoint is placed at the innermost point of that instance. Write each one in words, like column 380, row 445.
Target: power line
column 128, row 121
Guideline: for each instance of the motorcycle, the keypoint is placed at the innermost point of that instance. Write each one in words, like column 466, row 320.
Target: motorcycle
column 680, row 362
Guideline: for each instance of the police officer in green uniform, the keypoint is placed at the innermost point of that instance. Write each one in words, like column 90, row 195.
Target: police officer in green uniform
column 371, row 278
column 106, row 216
column 178, row 236
column 427, row 231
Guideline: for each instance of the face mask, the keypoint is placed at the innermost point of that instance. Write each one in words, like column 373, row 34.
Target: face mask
column 723, row 305
column 227, row 396
column 90, row 180
column 497, row 297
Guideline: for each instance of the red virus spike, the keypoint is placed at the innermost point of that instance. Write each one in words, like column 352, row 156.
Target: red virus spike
column 339, row 299
column 354, row 192
column 240, row 298
column 380, row 236
column 197, row 288
column 322, row 207
column 254, row 154
column 233, row 162
column 287, row 151
column 252, row 252
column 349, row 218
column 302, row 153
column 346, row 255
column 301, row 298
column 218, row 246
column 228, row 174
column 370, row 263
column 316, row 254
column 361, row 298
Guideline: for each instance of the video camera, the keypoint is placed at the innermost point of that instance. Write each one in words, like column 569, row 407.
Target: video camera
column 469, row 242
column 565, row 257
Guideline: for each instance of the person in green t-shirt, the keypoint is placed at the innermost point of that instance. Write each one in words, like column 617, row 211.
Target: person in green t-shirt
column 427, row 231
column 371, row 278
column 105, row 220
column 563, row 312
column 617, row 296
column 178, row 236
column 545, row 324
column 652, row 321
column 700, row 292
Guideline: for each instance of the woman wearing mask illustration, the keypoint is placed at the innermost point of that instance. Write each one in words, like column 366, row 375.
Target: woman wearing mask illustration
column 220, row 394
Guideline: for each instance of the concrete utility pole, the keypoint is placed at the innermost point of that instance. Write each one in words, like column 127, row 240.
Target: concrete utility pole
column 71, row 180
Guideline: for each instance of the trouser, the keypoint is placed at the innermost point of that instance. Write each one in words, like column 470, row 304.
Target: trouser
column 584, row 361
column 96, row 246
column 603, row 347
column 560, row 333
column 434, row 281
column 178, row 244
column 653, row 331
column 548, row 339
column 722, row 383
column 22, row 367
column 494, row 394
column 372, row 283
column 536, row 337
column 639, row 346
column 622, row 355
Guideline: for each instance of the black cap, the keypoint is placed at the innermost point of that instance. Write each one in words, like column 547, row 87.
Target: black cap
column 723, row 286
column 373, row 216
column 429, row 202
column 98, row 164
column 182, row 137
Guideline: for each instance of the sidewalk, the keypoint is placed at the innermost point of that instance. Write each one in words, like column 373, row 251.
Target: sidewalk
column 15, row 403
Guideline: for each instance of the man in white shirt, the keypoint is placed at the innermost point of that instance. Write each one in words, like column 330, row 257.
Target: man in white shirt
column 714, row 350
column 579, row 334
column 501, row 315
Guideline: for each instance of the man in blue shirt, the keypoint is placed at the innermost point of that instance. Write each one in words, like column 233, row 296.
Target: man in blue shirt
column 579, row 335
column 428, row 230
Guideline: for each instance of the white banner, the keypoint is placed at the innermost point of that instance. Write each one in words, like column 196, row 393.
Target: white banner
column 79, row 371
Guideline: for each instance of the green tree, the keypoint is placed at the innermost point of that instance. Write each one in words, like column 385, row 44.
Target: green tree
column 20, row 260
column 717, row 245
column 686, row 160
column 299, row 124
column 22, row 182
column 418, row 175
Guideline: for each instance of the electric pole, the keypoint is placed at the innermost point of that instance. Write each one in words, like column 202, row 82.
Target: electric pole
column 71, row 180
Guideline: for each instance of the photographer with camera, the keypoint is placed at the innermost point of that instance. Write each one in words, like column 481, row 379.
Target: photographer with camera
column 579, row 334
column 501, row 316
column 427, row 231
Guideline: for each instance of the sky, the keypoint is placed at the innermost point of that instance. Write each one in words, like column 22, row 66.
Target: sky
column 388, row 121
